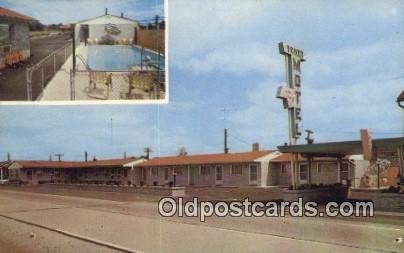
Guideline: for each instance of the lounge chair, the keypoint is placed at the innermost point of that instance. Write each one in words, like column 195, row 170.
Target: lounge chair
column 100, row 78
column 139, row 80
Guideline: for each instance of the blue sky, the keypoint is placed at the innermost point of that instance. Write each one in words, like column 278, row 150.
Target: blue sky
column 224, row 54
column 70, row 11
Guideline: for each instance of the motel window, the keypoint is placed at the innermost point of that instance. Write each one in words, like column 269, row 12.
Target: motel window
column 219, row 173
column 125, row 172
column 253, row 173
column 303, row 171
column 325, row 167
column 166, row 173
column 320, row 168
column 155, row 171
column 179, row 171
column 236, row 170
column 4, row 33
column 283, row 168
column 205, row 170
column 344, row 171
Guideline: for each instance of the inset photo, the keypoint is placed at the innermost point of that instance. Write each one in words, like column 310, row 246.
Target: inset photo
column 78, row 52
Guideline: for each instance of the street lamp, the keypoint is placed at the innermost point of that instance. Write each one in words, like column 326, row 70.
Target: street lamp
column 400, row 100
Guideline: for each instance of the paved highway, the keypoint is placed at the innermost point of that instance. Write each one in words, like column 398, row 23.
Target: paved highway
column 41, row 222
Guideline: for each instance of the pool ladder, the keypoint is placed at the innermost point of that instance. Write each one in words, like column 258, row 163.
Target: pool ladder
column 81, row 58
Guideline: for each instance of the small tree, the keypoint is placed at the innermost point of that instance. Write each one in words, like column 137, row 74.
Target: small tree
column 182, row 151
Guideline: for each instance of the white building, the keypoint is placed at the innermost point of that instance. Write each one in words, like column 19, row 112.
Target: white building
column 106, row 29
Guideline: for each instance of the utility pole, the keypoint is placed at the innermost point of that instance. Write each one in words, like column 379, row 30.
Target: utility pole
column 124, row 155
column 147, row 151
column 8, row 157
column 157, row 22
column 226, row 149
column 59, row 156
column 85, row 156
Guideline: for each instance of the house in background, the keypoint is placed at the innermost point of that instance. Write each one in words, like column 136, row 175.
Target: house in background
column 4, row 170
column 14, row 37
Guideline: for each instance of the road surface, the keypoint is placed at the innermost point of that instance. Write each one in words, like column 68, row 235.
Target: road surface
column 54, row 223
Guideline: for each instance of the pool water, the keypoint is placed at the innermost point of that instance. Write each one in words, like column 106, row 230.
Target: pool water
column 119, row 58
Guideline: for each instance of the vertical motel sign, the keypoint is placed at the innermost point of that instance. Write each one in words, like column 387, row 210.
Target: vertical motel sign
column 291, row 92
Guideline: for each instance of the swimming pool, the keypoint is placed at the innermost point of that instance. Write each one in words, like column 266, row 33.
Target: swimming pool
column 119, row 57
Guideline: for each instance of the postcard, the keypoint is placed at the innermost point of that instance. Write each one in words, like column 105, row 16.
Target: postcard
column 201, row 126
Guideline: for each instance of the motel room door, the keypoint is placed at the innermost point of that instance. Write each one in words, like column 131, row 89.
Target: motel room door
column 253, row 175
column 303, row 173
column 191, row 175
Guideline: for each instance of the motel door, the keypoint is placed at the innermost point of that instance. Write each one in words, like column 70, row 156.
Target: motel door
column 191, row 175
column 303, row 170
column 218, row 175
column 253, row 174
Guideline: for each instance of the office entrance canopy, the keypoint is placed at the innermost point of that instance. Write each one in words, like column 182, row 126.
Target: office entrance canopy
column 343, row 148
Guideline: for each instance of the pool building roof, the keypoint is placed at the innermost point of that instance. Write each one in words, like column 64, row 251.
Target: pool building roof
column 107, row 19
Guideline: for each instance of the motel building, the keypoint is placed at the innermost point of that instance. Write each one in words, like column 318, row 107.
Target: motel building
column 257, row 168
column 346, row 163
column 112, row 171
column 14, row 37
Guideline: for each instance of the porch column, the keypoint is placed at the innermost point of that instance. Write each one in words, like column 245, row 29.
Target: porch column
column 294, row 170
column 309, row 160
column 400, row 152
column 1, row 173
column 339, row 169
column 189, row 174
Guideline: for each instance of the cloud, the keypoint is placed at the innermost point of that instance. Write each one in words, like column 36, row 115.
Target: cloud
column 248, row 58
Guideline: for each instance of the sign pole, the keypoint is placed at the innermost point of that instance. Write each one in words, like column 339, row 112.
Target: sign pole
column 290, row 94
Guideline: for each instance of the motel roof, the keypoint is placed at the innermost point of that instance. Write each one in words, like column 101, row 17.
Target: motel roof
column 205, row 159
column 342, row 148
column 32, row 164
column 13, row 15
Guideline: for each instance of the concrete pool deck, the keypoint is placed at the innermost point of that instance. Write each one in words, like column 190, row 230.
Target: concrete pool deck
column 58, row 88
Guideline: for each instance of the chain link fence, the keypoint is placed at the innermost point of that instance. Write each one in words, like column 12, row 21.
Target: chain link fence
column 41, row 73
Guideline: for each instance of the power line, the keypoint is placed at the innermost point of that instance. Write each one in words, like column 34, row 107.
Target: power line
column 239, row 139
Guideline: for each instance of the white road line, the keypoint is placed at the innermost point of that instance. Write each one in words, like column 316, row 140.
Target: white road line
column 77, row 236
